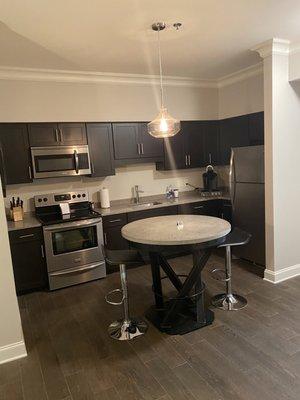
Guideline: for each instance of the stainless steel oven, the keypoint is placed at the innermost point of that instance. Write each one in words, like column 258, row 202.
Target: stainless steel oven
column 73, row 252
column 53, row 161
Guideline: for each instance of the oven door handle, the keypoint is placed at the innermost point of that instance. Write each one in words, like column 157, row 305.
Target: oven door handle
column 75, row 224
column 76, row 269
column 76, row 161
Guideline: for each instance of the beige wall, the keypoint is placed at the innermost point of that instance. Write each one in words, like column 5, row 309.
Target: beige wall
column 243, row 97
column 11, row 336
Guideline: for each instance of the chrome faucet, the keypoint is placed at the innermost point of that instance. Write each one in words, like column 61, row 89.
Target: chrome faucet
column 137, row 192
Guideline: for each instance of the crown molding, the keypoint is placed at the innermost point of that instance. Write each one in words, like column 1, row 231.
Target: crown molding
column 241, row 75
column 273, row 46
column 50, row 75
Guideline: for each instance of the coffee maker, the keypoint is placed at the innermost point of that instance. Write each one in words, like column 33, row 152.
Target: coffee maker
column 210, row 180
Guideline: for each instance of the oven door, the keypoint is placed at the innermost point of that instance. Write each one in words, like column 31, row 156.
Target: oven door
column 49, row 162
column 73, row 245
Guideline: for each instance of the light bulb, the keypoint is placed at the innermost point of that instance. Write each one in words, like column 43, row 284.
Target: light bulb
column 164, row 125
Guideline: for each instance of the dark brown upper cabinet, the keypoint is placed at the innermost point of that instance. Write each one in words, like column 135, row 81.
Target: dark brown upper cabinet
column 57, row 134
column 234, row 132
column 256, row 128
column 211, row 142
column 101, row 149
column 194, row 143
column 132, row 142
column 14, row 152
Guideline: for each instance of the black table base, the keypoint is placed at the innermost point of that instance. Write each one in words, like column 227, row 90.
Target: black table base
column 186, row 311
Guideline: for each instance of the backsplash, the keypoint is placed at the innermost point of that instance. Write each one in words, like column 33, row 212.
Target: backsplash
column 120, row 186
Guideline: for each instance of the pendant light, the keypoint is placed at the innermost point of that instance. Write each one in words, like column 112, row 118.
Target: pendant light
column 164, row 125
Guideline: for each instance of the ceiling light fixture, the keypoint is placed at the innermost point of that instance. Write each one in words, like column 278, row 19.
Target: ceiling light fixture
column 164, row 125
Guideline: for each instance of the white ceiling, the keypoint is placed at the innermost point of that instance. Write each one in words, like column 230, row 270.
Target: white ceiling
column 115, row 35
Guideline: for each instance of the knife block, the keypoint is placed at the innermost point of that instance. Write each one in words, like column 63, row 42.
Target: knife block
column 17, row 214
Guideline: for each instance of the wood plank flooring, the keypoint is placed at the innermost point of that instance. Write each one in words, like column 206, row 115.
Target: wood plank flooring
column 247, row 355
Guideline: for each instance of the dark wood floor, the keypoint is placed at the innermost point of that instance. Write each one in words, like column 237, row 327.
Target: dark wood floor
column 252, row 354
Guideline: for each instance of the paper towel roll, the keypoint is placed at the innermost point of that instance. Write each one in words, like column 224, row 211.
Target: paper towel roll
column 104, row 198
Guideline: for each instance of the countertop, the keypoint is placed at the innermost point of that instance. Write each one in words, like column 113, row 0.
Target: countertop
column 28, row 222
column 126, row 205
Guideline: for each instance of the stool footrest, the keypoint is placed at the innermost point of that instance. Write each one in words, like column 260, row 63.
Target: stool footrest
column 114, row 303
column 216, row 271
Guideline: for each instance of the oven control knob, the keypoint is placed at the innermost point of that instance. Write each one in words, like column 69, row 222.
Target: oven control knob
column 45, row 199
column 39, row 200
column 79, row 195
column 83, row 195
column 74, row 196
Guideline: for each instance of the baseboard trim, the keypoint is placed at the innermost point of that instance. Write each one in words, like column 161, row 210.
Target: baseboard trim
column 282, row 275
column 12, row 352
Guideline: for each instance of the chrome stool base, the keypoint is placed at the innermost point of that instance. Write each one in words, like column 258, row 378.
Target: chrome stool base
column 229, row 302
column 127, row 330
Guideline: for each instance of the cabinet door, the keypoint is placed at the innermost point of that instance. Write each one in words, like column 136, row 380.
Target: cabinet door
column 125, row 139
column 150, row 146
column 234, row 132
column 211, row 142
column 43, row 134
column 101, row 149
column 27, row 245
column 256, row 128
column 15, row 152
column 226, row 210
column 194, row 143
column 72, row 134
column 113, row 238
column 154, row 212
column 174, row 152
column 210, row 207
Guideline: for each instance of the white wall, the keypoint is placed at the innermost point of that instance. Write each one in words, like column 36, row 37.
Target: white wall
column 11, row 337
column 242, row 97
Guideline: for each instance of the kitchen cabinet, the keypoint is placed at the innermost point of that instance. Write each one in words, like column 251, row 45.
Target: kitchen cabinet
column 153, row 212
column 101, row 149
column 211, row 142
column 112, row 226
column 194, row 143
column 209, row 207
column 256, row 128
column 14, row 152
column 28, row 259
column 174, row 153
column 226, row 210
column 57, row 134
column 234, row 132
column 132, row 142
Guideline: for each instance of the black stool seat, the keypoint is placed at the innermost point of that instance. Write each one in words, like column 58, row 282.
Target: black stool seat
column 236, row 237
column 126, row 257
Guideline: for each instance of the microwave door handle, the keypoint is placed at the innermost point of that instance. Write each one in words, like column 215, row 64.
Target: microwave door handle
column 76, row 161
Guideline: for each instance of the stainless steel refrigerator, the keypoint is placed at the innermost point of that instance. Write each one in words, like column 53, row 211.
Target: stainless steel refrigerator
column 247, row 192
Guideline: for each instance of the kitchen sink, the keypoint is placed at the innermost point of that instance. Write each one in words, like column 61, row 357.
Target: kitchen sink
column 147, row 204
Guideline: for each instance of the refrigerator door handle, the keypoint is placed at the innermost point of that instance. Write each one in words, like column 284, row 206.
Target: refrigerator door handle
column 232, row 179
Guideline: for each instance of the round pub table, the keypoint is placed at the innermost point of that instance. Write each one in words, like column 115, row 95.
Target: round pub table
column 197, row 234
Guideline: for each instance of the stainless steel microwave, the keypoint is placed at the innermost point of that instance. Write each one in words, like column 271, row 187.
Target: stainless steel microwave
column 53, row 161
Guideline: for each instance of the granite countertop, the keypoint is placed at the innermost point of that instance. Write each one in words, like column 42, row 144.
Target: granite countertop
column 29, row 221
column 126, row 205
column 169, row 231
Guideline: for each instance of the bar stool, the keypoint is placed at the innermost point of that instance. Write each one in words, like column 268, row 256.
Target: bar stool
column 230, row 301
column 126, row 328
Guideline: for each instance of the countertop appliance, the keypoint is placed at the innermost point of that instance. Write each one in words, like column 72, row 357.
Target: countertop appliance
column 73, row 237
column 53, row 161
column 210, row 179
column 247, row 192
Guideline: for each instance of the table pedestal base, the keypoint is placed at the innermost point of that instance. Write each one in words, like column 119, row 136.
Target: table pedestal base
column 183, row 324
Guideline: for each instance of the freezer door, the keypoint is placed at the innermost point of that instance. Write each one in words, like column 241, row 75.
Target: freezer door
column 249, row 215
column 248, row 164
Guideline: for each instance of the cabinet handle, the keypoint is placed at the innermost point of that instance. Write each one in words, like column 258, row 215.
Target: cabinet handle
column 138, row 149
column 115, row 220
column 186, row 160
column 198, row 207
column 209, row 158
column 26, row 236
column 29, row 171
column 42, row 251
column 56, row 135
column 227, row 205
column 142, row 148
column 189, row 158
column 105, row 239
column 61, row 135
column 222, row 215
column 92, row 168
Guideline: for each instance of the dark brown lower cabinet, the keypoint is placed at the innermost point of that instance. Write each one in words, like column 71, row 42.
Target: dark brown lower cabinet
column 154, row 212
column 28, row 260
column 209, row 207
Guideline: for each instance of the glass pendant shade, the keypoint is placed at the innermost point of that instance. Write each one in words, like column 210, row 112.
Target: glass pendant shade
column 164, row 125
